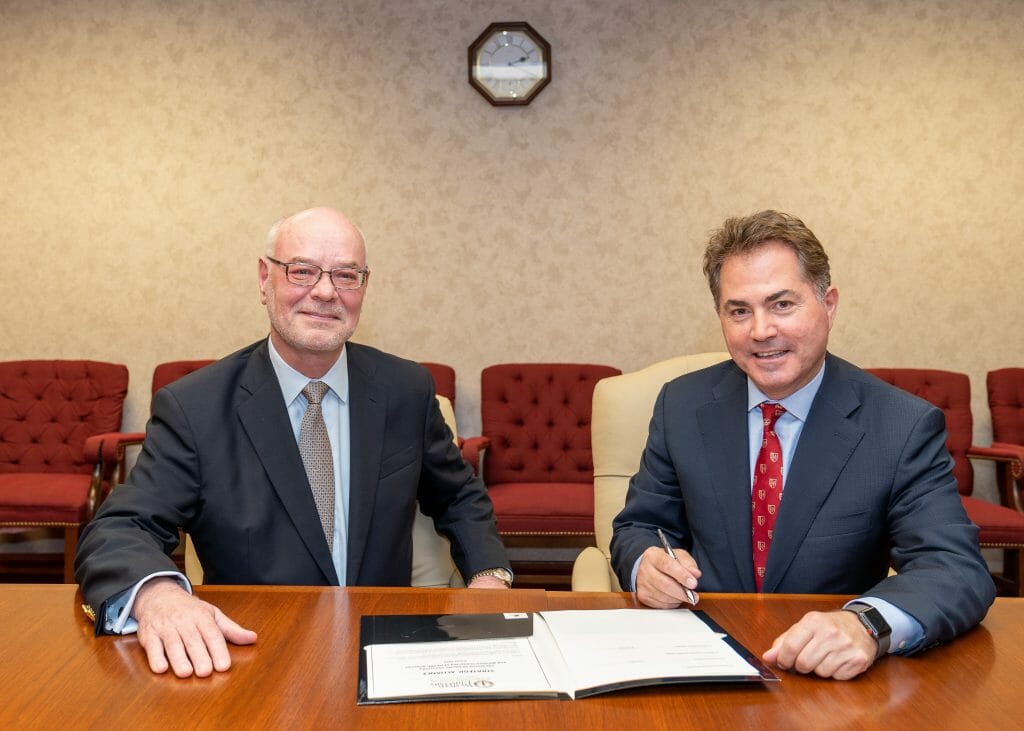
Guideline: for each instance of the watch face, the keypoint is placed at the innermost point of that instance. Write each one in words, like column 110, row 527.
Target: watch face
column 505, row 575
column 509, row 63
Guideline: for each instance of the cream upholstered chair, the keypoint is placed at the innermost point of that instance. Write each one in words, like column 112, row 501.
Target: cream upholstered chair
column 432, row 564
column 623, row 406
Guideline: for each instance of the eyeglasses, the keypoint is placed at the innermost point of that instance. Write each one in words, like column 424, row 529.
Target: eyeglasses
column 307, row 275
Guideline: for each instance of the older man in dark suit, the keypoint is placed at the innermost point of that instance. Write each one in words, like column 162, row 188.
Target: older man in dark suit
column 789, row 470
column 297, row 460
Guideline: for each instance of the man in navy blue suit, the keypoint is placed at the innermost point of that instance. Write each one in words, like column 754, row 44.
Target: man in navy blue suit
column 866, row 479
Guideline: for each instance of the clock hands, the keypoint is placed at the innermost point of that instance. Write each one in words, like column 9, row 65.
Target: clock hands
column 515, row 63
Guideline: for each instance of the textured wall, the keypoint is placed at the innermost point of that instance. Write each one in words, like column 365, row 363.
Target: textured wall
column 145, row 148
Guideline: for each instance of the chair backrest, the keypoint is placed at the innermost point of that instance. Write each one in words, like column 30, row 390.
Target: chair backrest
column 444, row 379
column 950, row 392
column 537, row 416
column 623, row 406
column 1006, row 402
column 432, row 564
column 49, row 407
column 171, row 371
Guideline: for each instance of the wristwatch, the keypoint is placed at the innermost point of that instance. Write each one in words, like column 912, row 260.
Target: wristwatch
column 501, row 574
column 874, row 623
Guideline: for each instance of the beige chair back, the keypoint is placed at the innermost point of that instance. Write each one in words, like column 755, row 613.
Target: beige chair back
column 621, row 417
column 432, row 564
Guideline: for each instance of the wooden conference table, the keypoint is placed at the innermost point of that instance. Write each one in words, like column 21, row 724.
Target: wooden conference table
column 301, row 673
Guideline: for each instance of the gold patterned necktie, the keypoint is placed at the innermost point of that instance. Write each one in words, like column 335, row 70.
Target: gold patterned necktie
column 766, row 492
column 317, row 458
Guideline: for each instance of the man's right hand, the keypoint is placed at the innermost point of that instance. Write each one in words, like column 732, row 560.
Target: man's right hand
column 660, row 579
column 183, row 632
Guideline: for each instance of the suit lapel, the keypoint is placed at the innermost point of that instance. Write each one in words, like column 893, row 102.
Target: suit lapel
column 264, row 417
column 827, row 441
column 729, row 467
column 367, row 421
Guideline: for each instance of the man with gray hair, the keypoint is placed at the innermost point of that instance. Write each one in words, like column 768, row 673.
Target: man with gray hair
column 789, row 470
column 297, row 460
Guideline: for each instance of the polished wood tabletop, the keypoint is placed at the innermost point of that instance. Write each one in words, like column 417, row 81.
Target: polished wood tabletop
column 301, row 673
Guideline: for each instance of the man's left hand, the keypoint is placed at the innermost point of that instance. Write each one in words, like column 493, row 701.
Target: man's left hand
column 487, row 582
column 828, row 644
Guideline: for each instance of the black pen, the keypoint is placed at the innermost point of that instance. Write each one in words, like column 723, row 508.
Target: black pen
column 668, row 549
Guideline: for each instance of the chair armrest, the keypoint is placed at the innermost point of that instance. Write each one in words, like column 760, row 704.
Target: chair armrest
column 473, row 449
column 1009, row 459
column 109, row 447
column 592, row 572
column 107, row 453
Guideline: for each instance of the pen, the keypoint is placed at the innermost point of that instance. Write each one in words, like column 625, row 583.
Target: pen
column 691, row 597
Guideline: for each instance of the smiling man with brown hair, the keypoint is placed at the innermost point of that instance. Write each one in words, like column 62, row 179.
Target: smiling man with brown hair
column 789, row 470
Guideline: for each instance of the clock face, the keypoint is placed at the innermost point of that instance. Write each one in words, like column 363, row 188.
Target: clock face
column 509, row 63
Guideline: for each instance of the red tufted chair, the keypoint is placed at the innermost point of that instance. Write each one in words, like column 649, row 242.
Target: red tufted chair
column 108, row 449
column 1006, row 404
column 1000, row 527
column 48, row 408
column 538, row 467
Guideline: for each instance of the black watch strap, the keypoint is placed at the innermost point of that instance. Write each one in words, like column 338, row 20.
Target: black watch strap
column 875, row 625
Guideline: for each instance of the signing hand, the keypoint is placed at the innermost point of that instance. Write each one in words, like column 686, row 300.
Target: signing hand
column 828, row 644
column 660, row 580
column 183, row 632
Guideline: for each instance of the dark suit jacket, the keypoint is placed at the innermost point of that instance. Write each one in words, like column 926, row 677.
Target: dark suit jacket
column 220, row 460
column 870, row 482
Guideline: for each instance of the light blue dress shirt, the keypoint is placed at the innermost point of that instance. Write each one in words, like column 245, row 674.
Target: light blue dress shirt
column 118, row 619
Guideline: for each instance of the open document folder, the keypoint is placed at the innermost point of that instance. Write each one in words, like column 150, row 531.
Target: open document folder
column 559, row 654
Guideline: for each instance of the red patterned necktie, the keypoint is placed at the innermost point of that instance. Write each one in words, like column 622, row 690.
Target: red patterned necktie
column 767, row 490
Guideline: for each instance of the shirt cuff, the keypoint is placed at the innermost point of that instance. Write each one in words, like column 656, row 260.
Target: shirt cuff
column 118, row 619
column 632, row 576
column 907, row 632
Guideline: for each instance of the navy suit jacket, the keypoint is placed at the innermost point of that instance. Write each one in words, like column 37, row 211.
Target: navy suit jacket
column 221, row 461
column 870, row 483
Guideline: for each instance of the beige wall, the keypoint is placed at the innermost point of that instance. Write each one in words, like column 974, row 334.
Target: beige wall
column 145, row 148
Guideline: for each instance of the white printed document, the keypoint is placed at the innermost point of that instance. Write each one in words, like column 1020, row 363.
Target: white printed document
column 567, row 654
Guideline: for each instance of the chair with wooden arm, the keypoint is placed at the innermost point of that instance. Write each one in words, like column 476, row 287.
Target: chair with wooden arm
column 1000, row 526
column 49, row 409
column 1006, row 405
column 108, row 450
column 538, row 467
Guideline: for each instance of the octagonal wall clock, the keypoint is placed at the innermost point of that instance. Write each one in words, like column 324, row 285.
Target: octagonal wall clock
column 509, row 64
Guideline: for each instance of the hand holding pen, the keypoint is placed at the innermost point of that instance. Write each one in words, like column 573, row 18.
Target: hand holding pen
column 690, row 595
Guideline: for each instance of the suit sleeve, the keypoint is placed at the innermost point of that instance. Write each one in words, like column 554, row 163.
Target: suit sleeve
column 136, row 528
column 653, row 500
column 942, row 579
column 457, row 500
